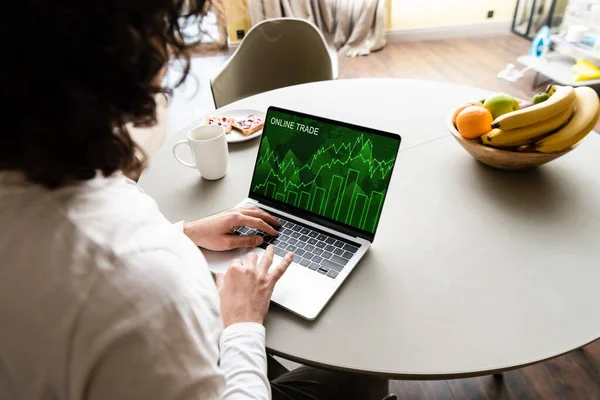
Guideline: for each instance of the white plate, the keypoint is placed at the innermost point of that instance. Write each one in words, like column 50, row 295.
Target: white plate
column 236, row 136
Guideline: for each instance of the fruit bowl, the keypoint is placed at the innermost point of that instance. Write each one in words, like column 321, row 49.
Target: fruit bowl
column 503, row 159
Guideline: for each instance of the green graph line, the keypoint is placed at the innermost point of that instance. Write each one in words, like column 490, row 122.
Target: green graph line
column 287, row 183
column 346, row 219
column 362, row 220
column 334, row 178
column 340, row 175
column 374, row 165
column 374, row 222
column 304, row 195
column 270, row 192
column 312, row 206
column 290, row 192
column 363, row 198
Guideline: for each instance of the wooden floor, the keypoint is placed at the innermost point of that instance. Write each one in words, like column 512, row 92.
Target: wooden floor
column 573, row 376
column 476, row 62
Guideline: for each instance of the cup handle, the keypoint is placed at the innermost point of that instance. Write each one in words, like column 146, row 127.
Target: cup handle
column 187, row 164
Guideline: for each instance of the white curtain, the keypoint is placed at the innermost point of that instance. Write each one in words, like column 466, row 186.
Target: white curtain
column 354, row 27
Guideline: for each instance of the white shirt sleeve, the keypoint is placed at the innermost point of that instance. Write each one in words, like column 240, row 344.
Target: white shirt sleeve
column 158, row 336
column 179, row 225
column 244, row 361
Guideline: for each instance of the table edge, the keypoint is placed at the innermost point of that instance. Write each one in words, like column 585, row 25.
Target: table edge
column 423, row 376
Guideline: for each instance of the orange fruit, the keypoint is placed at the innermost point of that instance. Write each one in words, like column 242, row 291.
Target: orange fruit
column 474, row 121
column 459, row 109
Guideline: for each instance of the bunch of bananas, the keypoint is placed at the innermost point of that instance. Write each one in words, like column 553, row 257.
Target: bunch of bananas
column 549, row 127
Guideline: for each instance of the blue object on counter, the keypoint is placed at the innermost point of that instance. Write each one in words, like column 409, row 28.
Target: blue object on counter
column 590, row 40
column 541, row 43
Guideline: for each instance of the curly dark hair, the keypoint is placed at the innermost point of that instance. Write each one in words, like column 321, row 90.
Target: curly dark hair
column 76, row 72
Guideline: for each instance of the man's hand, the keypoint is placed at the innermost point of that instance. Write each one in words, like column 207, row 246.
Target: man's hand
column 216, row 232
column 246, row 289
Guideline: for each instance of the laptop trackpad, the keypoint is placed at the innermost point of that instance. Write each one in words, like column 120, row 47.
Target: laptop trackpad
column 300, row 290
column 303, row 291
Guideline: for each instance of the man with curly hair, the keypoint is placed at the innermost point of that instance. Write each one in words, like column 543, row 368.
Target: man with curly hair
column 100, row 296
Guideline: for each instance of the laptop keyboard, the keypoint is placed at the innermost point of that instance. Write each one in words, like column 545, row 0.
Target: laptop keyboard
column 312, row 249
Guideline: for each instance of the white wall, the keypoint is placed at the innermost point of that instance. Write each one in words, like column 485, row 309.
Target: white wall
column 430, row 13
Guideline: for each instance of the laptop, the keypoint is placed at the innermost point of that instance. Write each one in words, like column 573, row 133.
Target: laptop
column 326, row 182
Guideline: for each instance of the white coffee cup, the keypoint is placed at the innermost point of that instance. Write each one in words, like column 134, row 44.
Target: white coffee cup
column 209, row 148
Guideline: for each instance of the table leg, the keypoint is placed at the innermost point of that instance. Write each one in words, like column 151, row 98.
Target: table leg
column 537, row 83
column 535, row 78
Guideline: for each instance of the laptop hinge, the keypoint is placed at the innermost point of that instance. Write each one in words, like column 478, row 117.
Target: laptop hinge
column 308, row 216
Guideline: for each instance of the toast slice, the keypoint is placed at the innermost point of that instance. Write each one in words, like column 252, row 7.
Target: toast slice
column 225, row 122
column 249, row 125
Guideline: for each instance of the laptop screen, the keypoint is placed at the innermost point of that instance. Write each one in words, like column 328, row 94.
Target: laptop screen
column 335, row 170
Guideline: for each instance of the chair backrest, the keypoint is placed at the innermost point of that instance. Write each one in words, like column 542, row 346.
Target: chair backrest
column 275, row 53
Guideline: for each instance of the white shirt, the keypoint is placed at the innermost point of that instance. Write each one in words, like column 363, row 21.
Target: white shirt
column 102, row 298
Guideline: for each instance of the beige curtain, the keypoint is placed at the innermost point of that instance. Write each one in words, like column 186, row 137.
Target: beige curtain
column 354, row 27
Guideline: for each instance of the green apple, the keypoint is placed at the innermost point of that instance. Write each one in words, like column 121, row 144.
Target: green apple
column 540, row 98
column 501, row 103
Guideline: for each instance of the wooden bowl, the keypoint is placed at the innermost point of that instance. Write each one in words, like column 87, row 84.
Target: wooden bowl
column 503, row 159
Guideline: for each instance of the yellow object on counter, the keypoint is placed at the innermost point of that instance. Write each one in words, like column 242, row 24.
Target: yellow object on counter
column 585, row 70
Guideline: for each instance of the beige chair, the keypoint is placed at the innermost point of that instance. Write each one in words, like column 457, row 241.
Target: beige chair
column 275, row 53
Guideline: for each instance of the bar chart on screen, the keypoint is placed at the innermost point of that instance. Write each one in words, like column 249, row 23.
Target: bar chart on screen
column 341, row 180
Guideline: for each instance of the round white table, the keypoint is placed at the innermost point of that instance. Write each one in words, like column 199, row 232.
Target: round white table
column 472, row 271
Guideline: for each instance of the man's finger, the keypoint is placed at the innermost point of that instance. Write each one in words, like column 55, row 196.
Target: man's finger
column 257, row 223
column 266, row 260
column 281, row 268
column 262, row 214
column 219, row 280
column 236, row 242
column 251, row 259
